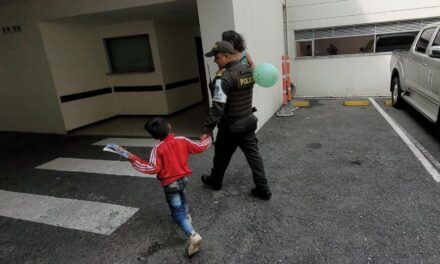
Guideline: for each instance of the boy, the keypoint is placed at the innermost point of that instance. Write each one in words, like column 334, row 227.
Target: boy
column 169, row 160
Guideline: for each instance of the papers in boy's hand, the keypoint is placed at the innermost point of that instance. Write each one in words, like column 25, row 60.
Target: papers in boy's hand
column 117, row 149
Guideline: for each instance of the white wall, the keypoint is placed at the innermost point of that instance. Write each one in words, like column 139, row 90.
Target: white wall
column 214, row 17
column 138, row 103
column 28, row 101
column 355, row 75
column 72, row 60
column 78, row 64
column 178, row 57
column 303, row 14
column 343, row 76
column 40, row 84
column 261, row 23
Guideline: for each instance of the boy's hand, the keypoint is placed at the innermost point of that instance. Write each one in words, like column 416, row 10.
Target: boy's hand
column 117, row 149
column 204, row 136
column 121, row 148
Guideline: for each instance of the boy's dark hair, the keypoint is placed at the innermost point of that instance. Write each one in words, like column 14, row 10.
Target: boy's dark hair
column 235, row 38
column 158, row 128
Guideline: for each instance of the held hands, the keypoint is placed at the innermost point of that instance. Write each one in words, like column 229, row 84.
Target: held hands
column 204, row 136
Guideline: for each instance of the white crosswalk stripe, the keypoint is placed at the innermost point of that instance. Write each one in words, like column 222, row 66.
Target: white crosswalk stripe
column 100, row 218
column 111, row 167
column 129, row 142
column 95, row 217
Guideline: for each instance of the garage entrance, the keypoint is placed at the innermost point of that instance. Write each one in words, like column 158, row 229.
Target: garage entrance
column 115, row 70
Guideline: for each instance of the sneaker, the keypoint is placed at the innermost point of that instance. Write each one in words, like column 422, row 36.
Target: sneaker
column 194, row 243
column 262, row 194
column 207, row 181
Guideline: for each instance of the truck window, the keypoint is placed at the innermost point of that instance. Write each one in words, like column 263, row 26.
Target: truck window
column 437, row 40
column 422, row 43
column 398, row 41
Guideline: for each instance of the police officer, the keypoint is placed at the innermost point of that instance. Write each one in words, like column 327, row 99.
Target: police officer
column 233, row 113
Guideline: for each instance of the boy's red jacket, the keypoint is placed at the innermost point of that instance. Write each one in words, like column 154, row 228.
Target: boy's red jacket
column 169, row 158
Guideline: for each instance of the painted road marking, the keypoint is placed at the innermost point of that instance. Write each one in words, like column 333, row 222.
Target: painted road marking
column 302, row 103
column 388, row 102
column 129, row 142
column 111, row 167
column 412, row 146
column 95, row 217
column 356, row 103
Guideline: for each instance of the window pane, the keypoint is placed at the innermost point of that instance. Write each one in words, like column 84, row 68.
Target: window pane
column 422, row 43
column 303, row 48
column 437, row 40
column 390, row 42
column 130, row 54
column 341, row 46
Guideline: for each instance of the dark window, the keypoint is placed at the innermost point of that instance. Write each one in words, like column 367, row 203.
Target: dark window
column 341, row 46
column 437, row 40
column 129, row 54
column 422, row 43
column 303, row 48
column 398, row 41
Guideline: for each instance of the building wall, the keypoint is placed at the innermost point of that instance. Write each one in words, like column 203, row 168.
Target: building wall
column 303, row 14
column 214, row 18
column 78, row 64
column 28, row 101
column 314, row 76
column 58, row 54
column 178, row 57
column 264, row 39
column 138, row 103
column 342, row 76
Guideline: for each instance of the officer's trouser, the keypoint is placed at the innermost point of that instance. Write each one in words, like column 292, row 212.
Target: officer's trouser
column 225, row 146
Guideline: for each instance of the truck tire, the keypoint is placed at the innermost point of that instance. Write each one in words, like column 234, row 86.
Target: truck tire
column 396, row 93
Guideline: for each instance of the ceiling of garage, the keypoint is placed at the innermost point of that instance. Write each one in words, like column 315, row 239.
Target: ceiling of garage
column 182, row 10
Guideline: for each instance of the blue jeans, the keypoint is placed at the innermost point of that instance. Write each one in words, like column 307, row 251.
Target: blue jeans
column 175, row 196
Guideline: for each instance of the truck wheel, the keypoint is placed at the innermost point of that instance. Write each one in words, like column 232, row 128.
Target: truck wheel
column 396, row 92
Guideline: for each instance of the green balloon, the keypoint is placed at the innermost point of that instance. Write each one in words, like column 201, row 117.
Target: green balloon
column 265, row 75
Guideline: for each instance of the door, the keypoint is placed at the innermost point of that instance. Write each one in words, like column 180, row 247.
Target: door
column 417, row 63
column 431, row 74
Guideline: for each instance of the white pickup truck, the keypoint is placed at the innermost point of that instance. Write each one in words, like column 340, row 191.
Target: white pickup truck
column 415, row 74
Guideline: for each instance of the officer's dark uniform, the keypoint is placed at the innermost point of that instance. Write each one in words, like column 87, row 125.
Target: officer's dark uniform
column 232, row 111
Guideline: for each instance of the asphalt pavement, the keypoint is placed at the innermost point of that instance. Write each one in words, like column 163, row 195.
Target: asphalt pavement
column 346, row 189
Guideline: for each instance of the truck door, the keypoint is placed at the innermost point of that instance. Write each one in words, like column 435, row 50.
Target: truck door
column 416, row 64
column 431, row 73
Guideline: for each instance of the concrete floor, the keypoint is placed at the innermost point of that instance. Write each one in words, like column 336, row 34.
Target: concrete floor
column 187, row 123
column 346, row 189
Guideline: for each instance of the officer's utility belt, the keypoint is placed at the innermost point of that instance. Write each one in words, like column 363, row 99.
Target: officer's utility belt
column 243, row 124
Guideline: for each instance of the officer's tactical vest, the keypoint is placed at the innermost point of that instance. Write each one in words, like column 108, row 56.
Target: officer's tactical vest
column 239, row 102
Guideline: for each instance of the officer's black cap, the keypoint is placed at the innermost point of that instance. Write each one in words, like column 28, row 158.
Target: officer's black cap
column 221, row 47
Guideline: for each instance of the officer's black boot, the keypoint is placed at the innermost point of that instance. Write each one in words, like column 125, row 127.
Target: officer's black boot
column 209, row 182
column 262, row 194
